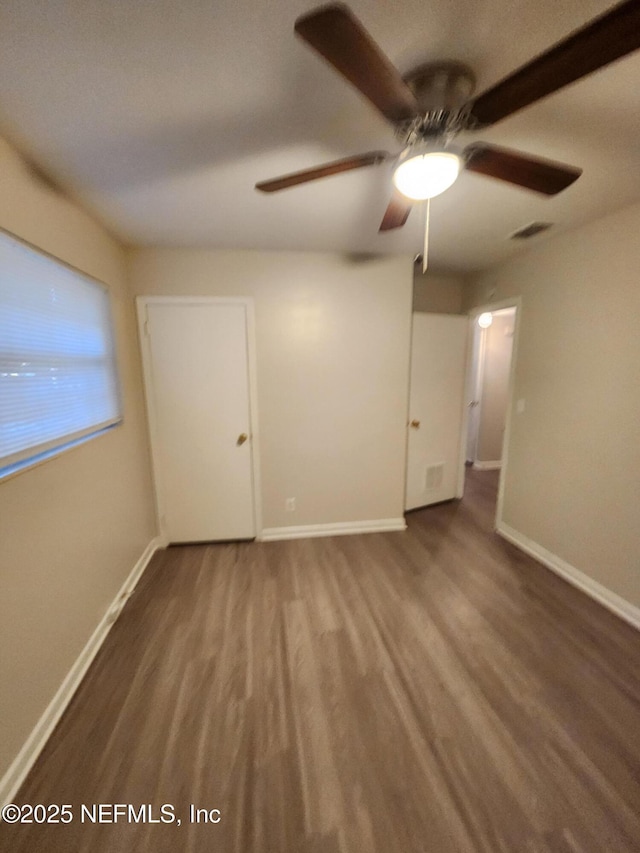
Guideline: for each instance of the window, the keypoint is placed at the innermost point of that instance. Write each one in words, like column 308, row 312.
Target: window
column 58, row 378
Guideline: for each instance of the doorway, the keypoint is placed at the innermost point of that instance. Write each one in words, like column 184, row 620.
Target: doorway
column 492, row 349
column 198, row 372
column 436, row 408
column 493, row 336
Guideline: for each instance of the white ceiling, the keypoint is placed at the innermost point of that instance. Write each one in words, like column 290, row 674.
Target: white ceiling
column 162, row 114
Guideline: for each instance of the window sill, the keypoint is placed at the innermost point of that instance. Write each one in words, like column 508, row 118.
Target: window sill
column 10, row 471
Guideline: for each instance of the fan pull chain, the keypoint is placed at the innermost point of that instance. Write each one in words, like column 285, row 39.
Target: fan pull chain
column 425, row 251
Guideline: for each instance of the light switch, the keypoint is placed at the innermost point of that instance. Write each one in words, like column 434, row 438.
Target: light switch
column 520, row 406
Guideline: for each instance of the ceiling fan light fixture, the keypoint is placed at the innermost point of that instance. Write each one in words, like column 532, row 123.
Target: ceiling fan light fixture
column 427, row 175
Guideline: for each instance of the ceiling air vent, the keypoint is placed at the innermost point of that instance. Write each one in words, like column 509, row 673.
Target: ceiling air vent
column 530, row 230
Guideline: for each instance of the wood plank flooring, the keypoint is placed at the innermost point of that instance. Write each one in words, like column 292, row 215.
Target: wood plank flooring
column 427, row 691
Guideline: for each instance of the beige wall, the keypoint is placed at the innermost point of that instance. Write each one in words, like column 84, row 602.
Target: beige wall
column 573, row 478
column 498, row 342
column 436, row 293
column 333, row 369
column 72, row 528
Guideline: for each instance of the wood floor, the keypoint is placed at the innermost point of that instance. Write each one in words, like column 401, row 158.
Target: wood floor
column 432, row 691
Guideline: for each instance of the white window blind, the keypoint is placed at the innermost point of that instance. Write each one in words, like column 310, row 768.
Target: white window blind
column 58, row 378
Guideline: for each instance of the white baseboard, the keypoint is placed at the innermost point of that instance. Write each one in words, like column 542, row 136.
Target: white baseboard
column 488, row 466
column 611, row 600
column 339, row 528
column 25, row 759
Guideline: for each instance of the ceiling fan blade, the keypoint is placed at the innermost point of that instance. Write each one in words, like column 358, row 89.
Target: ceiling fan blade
column 396, row 213
column 371, row 158
column 341, row 39
column 607, row 38
column 532, row 173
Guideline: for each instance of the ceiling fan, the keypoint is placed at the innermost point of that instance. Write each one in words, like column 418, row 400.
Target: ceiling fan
column 432, row 104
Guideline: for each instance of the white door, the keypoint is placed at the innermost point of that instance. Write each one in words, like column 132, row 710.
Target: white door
column 436, row 403
column 197, row 378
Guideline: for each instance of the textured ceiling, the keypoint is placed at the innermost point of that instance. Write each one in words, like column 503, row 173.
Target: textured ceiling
column 162, row 115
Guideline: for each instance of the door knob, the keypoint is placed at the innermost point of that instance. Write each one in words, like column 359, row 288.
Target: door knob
column 242, row 438
column 415, row 424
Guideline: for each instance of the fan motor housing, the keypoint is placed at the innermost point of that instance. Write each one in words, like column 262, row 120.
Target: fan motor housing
column 446, row 85
column 443, row 90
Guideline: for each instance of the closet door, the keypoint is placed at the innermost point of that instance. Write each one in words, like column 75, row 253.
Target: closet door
column 436, row 406
column 196, row 363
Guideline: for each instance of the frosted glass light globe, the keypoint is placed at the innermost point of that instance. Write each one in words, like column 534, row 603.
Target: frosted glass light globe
column 485, row 320
column 427, row 175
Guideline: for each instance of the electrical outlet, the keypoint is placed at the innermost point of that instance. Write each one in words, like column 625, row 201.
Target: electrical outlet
column 290, row 505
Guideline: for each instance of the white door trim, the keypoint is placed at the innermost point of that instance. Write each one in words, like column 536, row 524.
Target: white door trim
column 141, row 305
column 512, row 302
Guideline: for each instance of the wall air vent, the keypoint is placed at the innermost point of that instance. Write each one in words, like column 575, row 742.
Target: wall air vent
column 530, row 230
